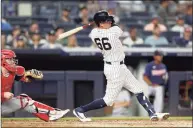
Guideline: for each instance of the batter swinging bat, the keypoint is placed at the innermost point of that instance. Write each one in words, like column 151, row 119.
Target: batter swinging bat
column 73, row 31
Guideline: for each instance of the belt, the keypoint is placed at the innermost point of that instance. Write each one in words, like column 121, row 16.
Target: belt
column 122, row 62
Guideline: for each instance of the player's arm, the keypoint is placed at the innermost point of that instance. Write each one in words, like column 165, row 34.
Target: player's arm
column 6, row 95
column 27, row 76
column 146, row 75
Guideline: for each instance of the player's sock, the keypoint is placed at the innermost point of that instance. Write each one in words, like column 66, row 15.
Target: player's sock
column 96, row 104
column 145, row 103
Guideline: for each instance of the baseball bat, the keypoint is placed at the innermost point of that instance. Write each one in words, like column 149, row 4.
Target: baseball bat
column 73, row 31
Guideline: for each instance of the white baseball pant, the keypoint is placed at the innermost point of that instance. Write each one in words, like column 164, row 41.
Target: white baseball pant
column 118, row 76
column 158, row 92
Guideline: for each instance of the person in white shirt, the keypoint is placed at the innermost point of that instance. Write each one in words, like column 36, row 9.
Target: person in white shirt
column 179, row 27
column 133, row 39
column 51, row 42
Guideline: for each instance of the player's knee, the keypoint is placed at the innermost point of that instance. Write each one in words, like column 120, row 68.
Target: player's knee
column 109, row 102
column 25, row 100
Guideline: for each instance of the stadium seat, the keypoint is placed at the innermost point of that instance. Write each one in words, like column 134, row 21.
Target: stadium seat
column 141, row 45
column 166, row 46
column 140, row 14
column 128, row 20
column 135, row 25
column 45, row 27
column 67, row 26
column 84, row 41
column 169, row 35
column 145, row 34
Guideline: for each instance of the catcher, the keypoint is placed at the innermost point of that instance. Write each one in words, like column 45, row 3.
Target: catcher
column 10, row 71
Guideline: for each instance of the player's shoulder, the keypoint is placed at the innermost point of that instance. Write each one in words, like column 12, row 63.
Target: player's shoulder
column 150, row 64
column 115, row 28
column 163, row 65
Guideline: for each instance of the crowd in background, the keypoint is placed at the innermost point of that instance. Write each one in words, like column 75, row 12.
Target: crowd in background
column 34, row 38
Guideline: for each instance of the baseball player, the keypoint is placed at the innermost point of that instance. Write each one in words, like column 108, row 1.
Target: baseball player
column 10, row 71
column 156, row 77
column 106, row 36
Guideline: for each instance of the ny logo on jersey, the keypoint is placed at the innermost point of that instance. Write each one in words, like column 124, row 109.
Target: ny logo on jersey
column 103, row 43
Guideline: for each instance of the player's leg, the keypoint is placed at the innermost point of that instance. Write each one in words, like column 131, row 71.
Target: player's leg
column 38, row 109
column 158, row 102
column 133, row 85
column 114, row 86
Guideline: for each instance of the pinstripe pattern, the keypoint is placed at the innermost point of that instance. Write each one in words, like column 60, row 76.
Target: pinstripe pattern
column 117, row 75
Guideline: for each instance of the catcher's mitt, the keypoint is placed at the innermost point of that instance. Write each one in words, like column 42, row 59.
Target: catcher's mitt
column 33, row 74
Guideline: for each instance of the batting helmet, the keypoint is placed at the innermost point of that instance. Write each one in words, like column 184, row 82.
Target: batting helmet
column 8, row 54
column 103, row 16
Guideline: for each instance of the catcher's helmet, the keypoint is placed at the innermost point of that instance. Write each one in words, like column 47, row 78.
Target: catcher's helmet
column 8, row 54
column 103, row 16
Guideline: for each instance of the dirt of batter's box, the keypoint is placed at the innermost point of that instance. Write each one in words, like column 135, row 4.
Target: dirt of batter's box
column 96, row 123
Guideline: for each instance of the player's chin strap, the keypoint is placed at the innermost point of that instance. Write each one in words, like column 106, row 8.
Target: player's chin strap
column 145, row 103
column 38, row 109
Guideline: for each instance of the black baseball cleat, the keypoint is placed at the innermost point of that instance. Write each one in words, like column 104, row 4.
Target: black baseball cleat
column 80, row 115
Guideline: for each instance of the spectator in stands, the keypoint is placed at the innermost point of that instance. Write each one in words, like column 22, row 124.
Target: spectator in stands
column 15, row 33
column 125, row 32
column 5, row 26
column 149, row 7
column 3, row 42
column 179, row 27
column 132, row 6
column 186, row 40
column 133, row 39
column 20, row 42
column 65, row 17
column 111, row 11
column 35, row 40
column 70, row 41
column 188, row 15
column 156, row 38
column 156, row 77
column 122, row 103
column 162, row 11
column 83, row 16
column 153, row 23
column 172, row 8
column 33, row 28
column 51, row 38
column 93, row 7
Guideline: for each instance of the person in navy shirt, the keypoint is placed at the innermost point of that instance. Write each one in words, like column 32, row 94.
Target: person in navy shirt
column 186, row 40
column 156, row 77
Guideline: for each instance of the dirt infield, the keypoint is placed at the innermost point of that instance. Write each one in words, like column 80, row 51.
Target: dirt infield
column 96, row 123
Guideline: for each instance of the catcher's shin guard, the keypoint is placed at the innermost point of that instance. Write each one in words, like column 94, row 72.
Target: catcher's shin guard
column 38, row 109
column 42, row 110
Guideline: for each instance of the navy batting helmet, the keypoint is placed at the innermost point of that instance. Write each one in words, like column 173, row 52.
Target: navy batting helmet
column 103, row 16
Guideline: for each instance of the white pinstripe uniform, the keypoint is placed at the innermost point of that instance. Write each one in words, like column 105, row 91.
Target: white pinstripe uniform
column 117, row 74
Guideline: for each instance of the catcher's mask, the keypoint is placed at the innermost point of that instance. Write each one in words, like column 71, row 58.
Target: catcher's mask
column 8, row 60
column 103, row 16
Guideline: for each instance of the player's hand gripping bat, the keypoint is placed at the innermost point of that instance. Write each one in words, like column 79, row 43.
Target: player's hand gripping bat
column 73, row 31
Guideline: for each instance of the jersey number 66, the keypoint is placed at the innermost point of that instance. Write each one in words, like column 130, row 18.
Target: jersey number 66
column 103, row 43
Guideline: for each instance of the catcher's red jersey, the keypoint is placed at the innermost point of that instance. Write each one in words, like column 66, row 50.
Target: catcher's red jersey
column 8, row 80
